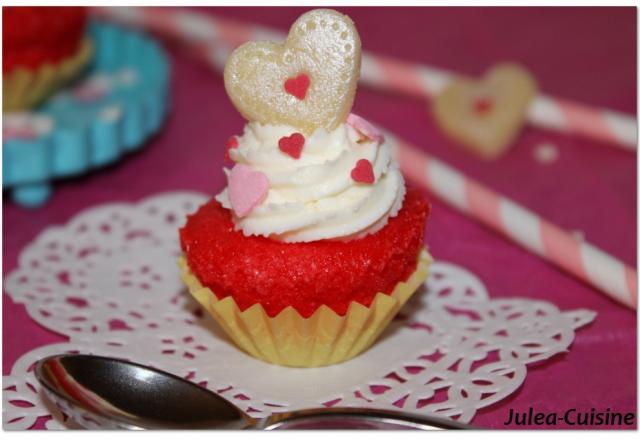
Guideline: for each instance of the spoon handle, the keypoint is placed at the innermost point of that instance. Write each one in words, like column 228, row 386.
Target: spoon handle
column 357, row 418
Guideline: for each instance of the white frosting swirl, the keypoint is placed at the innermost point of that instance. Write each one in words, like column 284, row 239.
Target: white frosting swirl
column 314, row 197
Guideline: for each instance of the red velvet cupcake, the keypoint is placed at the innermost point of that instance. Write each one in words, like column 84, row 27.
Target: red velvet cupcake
column 43, row 47
column 315, row 243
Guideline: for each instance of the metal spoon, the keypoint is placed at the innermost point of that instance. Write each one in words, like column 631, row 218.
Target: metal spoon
column 106, row 393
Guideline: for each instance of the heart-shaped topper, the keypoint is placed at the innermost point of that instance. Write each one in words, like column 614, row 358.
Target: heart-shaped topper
column 486, row 115
column 308, row 82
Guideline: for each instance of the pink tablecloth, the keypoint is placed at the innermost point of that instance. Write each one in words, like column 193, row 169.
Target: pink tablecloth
column 588, row 54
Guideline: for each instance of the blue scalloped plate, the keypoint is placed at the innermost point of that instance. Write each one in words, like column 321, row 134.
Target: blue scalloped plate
column 112, row 109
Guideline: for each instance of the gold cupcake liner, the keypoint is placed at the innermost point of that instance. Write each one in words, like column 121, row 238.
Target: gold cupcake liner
column 25, row 88
column 324, row 338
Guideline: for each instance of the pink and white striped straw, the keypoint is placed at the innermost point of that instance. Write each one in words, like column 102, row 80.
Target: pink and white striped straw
column 519, row 224
column 550, row 242
column 377, row 71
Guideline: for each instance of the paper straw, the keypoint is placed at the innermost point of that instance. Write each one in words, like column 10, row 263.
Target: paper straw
column 381, row 72
column 519, row 224
column 522, row 226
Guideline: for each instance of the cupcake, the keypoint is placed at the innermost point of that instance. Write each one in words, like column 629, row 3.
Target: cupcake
column 44, row 47
column 315, row 243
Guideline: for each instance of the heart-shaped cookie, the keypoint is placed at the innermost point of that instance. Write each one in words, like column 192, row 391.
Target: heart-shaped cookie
column 486, row 115
column 308, row 82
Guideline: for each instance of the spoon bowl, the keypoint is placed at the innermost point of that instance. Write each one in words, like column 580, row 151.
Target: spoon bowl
column 113, row 393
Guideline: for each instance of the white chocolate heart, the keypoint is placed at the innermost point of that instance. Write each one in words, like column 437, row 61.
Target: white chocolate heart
column 322, row 44
column 486, row 115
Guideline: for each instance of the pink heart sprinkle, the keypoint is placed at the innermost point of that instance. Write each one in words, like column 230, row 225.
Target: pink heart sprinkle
column 247, row 189
column 363, row 172
column 365, row 128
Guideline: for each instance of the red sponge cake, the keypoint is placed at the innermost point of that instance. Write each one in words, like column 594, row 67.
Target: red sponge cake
column 334, row 273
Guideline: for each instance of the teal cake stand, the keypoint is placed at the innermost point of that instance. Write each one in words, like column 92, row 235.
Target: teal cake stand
column 119, row 102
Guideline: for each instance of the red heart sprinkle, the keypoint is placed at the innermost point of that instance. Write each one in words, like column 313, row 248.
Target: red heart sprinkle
column 363, row 172
column 231, row 143
column 292, row 145
column 298, row 85
column 482, row 105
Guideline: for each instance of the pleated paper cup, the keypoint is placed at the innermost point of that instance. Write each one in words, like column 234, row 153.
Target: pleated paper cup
column 25, row 88
column 324, row 338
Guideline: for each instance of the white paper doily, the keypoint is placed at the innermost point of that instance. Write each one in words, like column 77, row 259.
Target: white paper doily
column 108, row 280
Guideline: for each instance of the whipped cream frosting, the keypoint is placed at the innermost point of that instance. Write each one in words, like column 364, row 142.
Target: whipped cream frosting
column 314, row 197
